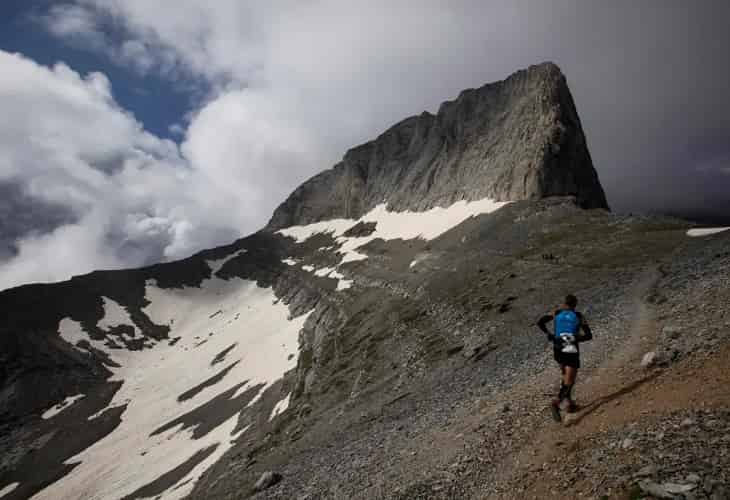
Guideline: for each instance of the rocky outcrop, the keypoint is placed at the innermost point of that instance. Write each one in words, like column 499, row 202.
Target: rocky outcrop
column 517, row 139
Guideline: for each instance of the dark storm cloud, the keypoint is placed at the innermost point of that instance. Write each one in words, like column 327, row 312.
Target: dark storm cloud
column 21, row 214
column 651, row 83
column 294, row 84
column 84, row 187
column 650, row 77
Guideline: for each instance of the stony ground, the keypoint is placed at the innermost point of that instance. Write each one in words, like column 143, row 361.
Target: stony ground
column 461, row 411
column 430, row 380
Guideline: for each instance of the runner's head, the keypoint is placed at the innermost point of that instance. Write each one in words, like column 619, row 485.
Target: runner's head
column 571, row 301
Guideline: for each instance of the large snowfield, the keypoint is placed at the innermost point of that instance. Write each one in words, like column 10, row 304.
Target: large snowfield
column 393, row 225
column 170, row 379
column 235, row 340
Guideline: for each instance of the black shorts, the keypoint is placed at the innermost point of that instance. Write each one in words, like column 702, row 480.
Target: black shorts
column 567, row 359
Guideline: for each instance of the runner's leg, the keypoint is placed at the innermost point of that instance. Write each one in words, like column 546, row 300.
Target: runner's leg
column 555, row 404
column 569, row 378
column 569, row 375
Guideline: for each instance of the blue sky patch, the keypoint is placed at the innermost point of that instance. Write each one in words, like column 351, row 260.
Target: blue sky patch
column 153, row 99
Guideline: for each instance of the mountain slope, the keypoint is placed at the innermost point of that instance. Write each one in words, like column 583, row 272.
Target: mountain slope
column 399, row 391
column 375, row 312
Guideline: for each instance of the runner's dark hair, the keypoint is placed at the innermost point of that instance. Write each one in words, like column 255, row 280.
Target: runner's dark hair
column 571, row 300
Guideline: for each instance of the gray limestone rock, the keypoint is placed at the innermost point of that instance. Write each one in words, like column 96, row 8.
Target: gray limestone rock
column 516, row 139
column 649, row 359
column 267, row 480
column 720, row 493
column 667, row 490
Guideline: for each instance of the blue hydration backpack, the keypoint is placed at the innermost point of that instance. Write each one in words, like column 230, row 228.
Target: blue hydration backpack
column 566, row 328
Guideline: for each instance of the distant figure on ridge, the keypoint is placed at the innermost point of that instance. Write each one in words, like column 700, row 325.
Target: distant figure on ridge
column 566, row 341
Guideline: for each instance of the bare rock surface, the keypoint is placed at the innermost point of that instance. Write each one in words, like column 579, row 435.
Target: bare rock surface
column 517, row 139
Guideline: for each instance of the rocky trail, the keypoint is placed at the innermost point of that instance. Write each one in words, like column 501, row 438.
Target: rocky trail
column 654, row 394
column 643, row 430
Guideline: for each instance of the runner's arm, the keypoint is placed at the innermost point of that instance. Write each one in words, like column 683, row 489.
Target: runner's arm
column 587, row 333
column 542, row 325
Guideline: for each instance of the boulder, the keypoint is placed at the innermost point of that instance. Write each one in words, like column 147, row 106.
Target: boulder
column 267, row 480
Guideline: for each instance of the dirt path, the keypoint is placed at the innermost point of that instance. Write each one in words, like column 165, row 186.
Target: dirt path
column 506, row 446
column 617, row 393
column 600, row 387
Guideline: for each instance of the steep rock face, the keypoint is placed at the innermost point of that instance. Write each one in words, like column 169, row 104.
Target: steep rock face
column 517, row 139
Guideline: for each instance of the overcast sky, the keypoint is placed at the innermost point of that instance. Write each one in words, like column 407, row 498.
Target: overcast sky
column 137, row 131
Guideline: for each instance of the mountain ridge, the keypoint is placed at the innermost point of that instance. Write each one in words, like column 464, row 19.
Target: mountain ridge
column 520, row 137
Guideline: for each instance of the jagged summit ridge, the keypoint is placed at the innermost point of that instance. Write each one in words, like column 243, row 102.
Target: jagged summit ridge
column 520, row 138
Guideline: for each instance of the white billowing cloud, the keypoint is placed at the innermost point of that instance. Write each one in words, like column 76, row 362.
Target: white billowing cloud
column 337, row 72
column 648, row 79
column 86, row 29
column 250, row 147
column 66, row 251
column 74, row 20
column 215, row 40
column 132, row 198
column 137, row 53
column 297, row 83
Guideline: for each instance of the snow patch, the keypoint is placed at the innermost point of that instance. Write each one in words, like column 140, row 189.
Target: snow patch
column 216, row 265
column 115, row 315
column 330, row 272
column 705, row 231
column 290, row 262
column 334, row 274
column 280, row 407
column 344, row 285
column 393, row 225
column 72, row 332
column 324, row 271
column 99, row 413
column 58, row 408
column 208, row 320
column 8, row 489
column 418, row 259
column 335, row 227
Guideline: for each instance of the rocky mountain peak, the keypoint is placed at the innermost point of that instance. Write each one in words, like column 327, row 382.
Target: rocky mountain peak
column 511, row 140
